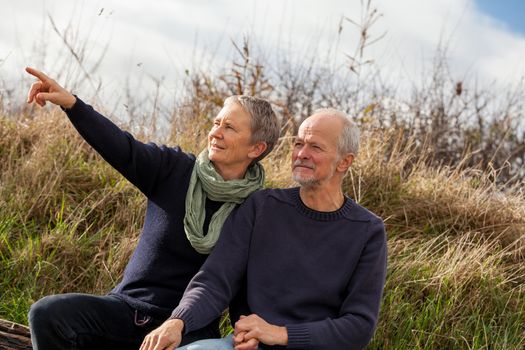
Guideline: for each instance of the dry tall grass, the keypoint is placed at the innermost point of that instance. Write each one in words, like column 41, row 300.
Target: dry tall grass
column 456, row 275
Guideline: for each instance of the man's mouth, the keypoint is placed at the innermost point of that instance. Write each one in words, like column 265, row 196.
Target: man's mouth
column 299, row 164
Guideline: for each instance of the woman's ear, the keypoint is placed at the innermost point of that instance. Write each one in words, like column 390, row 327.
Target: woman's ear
column 258, row 148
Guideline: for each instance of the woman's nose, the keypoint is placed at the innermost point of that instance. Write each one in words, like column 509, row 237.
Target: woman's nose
column 216, row 131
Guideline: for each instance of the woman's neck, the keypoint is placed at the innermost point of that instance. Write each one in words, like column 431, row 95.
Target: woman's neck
column 230, row 173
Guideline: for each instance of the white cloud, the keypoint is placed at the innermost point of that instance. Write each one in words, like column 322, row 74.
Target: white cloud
column 166, row 36
column 477, row 45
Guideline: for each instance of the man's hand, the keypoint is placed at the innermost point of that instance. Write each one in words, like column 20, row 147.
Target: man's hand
column 252, row 328
column 240, row 343
column 46, row 89
column 168, row 336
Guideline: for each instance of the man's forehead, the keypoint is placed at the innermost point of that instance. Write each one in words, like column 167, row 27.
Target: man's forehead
column 305, row 130
column 311, row 134
column 316, row 126
column 319, row 129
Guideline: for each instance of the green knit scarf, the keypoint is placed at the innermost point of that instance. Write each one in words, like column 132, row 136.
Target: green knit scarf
column 205, row 182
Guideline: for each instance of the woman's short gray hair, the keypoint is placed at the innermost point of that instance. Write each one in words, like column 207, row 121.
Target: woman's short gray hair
column 265, row 125
column 348, row 141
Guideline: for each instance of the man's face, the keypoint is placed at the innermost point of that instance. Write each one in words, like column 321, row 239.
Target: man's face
column 315, row 154
column 229, row 140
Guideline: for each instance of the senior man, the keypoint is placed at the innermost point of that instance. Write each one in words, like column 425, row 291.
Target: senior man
column 310, row 261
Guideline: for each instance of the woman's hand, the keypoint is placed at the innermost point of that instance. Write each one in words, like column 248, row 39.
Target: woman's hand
column 46, row 89
column 166, row 337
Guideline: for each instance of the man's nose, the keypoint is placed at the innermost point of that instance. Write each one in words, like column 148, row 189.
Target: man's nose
column 303, row 153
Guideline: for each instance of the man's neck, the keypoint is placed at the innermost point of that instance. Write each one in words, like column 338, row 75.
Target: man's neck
column 321, row 198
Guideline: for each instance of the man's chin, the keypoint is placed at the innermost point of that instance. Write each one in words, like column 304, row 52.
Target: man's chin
column 305, row 181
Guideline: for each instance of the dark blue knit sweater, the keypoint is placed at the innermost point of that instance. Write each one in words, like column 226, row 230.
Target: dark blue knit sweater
column 319, row 274
column 164, row 261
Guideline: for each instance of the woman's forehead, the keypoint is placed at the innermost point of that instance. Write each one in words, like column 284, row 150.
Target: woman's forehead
column 234, row 112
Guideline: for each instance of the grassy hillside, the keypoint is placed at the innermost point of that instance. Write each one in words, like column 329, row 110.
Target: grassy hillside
column 456, row 274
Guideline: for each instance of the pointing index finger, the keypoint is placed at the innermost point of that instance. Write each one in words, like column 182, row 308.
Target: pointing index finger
column 38, row 74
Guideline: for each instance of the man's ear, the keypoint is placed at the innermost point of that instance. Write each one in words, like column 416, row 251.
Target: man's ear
column 345, row 162
column 258, row 148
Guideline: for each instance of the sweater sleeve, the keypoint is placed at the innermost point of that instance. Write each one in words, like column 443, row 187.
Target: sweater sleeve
column 358, row 314
column 211, row 289
column 142, row 164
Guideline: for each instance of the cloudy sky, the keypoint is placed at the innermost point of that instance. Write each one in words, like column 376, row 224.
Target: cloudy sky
column 160, row 39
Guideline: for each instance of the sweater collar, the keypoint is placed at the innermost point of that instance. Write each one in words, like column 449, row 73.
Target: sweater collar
column 343, row 212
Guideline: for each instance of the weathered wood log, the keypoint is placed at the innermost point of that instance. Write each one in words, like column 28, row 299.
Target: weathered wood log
column 14, row 336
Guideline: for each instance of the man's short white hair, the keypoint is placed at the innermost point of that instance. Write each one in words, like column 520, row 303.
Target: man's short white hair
column 348, row 141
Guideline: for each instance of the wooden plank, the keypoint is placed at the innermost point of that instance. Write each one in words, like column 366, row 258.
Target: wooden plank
column 14, row 336
column 13, row 328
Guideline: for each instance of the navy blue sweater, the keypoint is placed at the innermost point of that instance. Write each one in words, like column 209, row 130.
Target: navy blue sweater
column 319, row 274
column 164, row 261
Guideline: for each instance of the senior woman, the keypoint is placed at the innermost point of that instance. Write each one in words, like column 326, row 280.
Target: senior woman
column 188, row 199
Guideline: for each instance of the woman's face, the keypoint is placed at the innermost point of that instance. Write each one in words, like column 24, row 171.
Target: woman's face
column 229, row 141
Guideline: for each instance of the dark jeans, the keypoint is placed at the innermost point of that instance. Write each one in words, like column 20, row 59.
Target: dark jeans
column 83, row 321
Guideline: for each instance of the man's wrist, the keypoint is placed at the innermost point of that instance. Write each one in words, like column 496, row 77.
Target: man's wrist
column 281, row 336
column 176, row 323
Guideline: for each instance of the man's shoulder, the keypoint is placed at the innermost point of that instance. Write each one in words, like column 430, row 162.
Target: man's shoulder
column 283, row 195
column 359, row 213
column 268, row 199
